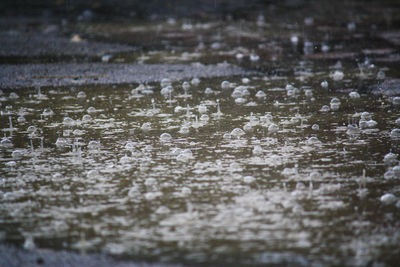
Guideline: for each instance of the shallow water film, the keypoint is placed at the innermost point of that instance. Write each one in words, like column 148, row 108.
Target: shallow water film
column 291, row 160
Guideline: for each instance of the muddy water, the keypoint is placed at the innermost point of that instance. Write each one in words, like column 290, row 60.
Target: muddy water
column 290, row 165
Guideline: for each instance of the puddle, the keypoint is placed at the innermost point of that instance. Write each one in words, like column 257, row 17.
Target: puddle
column 130, row 181
column 265, row 140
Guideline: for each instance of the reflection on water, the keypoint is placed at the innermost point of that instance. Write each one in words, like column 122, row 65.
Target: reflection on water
column 200, row 177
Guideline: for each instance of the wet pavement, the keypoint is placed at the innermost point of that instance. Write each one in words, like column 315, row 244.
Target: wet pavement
column 223, row 133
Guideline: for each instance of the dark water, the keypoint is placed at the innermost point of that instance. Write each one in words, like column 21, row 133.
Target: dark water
column 274, row 177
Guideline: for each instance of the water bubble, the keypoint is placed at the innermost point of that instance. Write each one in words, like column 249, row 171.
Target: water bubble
column 81, row 94
column 202, row 108
column 239, row 56
column 21, row 119
column 335, row 105
column 150, row 182
column 130, row 146
column 195, row 81
column 324, row 84
column 6, row 142
column 248, row 127
column 315, row 127
column 325, row 108
column 126, row 159
column 261, row 94
column 86, row 118
column 17, row 154
column 166, row 91
column 352, row 130
column 237, row 132
column 312, row 140
column 61, row 142
column 152, row 195
column 245, row 80
column 92, row 174
column 308, row 93
column 396, row 100
column 225, row 85
column 396, row 170
column 240, row 100
column 204, row 118
column 337, row 75
column 165, row 137
column 31, row 129
column 184, row 155
column 273, row 128
column 294, row 39
column 29, row 243
column 351, row 26
column 91, row 110
column 146, row 127
column 388, row 199
column 94, row 145
column 395, row 134
column 366, row 116
column 254, row 57
column 162, row 210
column 165, row 82
column 184, row 130
column 68, row 121
column 13, row 95
column 248, row 179
column 209, row 91
column 11, row 164
column 314, row 176
column 354, row 95
column 257, row 150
